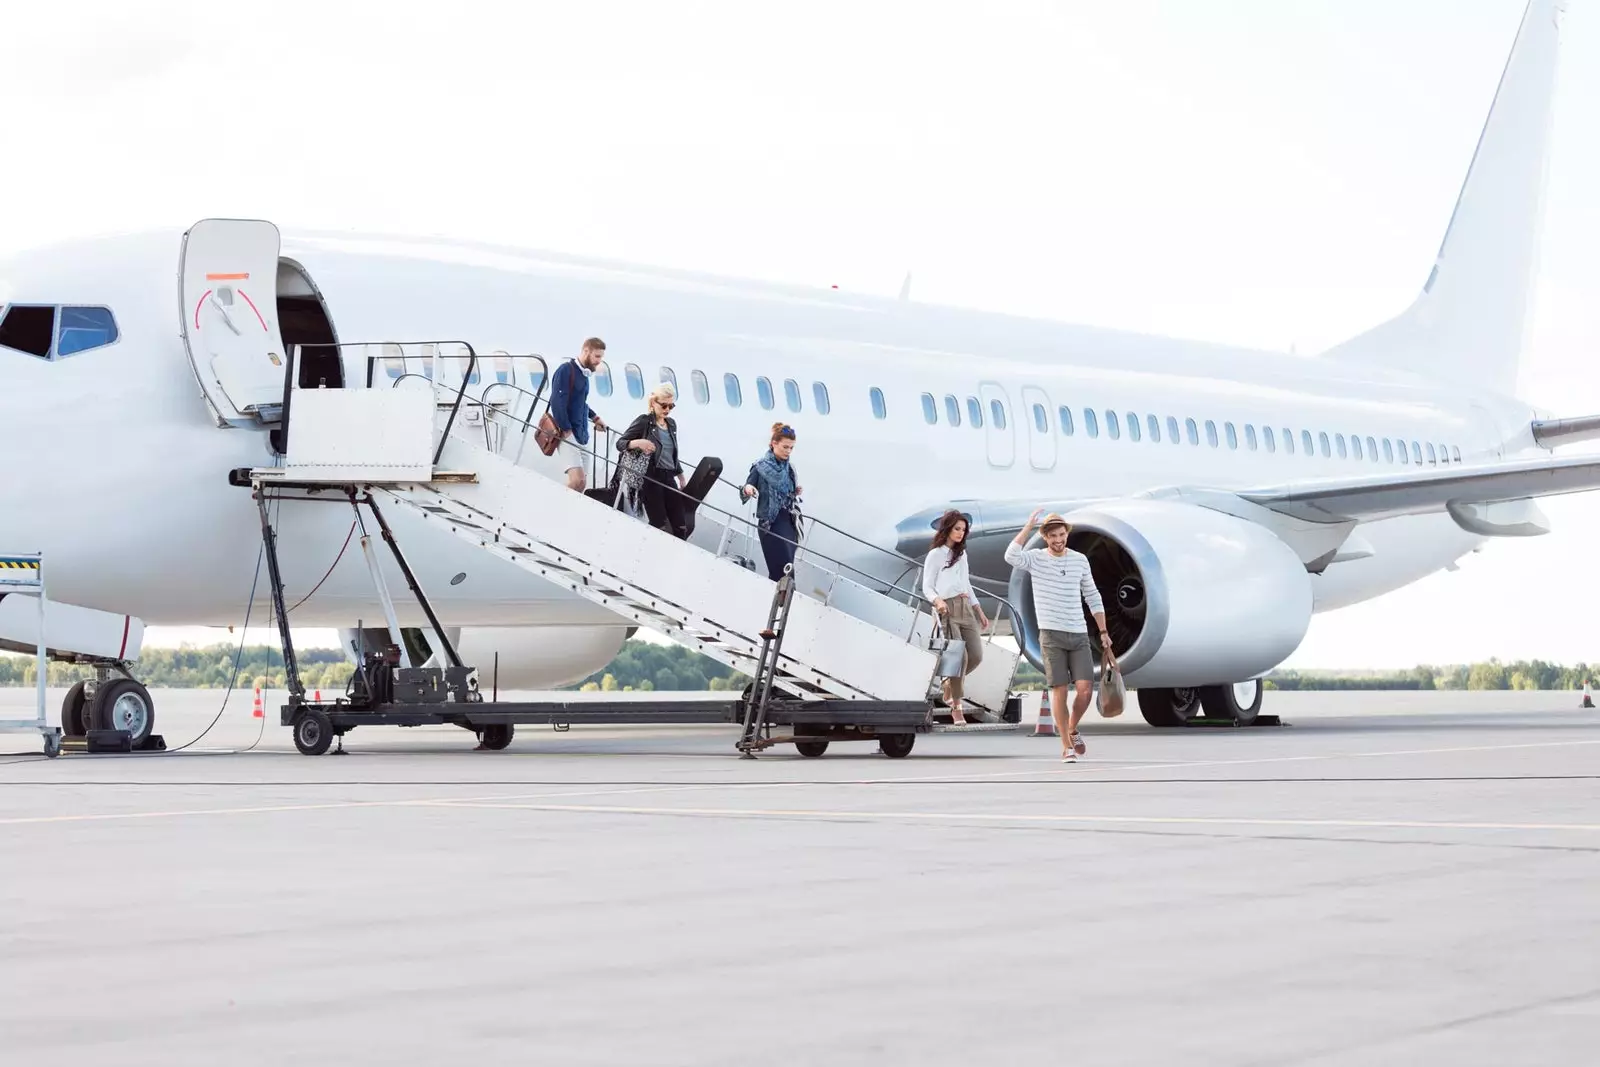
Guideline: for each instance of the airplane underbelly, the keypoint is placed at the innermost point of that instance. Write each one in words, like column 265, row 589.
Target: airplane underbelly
column 1404, row 550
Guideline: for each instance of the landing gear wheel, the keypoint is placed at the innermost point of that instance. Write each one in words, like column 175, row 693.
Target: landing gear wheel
column 1168, row 707
column 497, row 735
column 896, row 746
column 73, row 711
column 811, row 749
column 123, row 704
column 1240, row 702
column 313, row 732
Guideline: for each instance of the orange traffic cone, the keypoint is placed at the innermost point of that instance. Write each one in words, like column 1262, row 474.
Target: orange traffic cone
column 256, row 712
column 318, row 698
column 1588, row 701
column 1046, row 726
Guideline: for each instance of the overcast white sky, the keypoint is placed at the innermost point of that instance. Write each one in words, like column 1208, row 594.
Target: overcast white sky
column 1268, row 172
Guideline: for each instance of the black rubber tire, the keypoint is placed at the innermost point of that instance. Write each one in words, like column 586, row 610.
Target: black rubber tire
column 811, row 749
column 896, row 746
column 1167, row 708
column 104, row 714
column 1221, row 702
column 497, row 735
column 74, row 722
column 313, row 733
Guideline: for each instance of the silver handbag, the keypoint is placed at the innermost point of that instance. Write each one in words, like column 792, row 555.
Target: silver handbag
column 952, row 651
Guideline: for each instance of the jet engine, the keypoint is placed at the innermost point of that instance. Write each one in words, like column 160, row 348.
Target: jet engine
column 510, row 657
column 1193, row 597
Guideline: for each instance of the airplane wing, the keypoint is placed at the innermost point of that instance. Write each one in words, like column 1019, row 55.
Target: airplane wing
column 1553, row 433
column 1385, row 496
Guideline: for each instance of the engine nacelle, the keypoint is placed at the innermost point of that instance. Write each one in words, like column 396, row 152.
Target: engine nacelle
column 1193, row 596
column 512, row 657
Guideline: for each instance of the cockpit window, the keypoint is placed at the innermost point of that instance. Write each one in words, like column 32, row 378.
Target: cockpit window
column 29, row 329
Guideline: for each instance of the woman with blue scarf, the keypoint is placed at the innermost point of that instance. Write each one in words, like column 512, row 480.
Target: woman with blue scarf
column 772, row 482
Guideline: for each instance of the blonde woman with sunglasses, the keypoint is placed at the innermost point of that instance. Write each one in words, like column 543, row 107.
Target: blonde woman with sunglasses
column 655, row 433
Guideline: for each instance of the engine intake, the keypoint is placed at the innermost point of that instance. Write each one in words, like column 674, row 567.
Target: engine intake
column 1193, row 596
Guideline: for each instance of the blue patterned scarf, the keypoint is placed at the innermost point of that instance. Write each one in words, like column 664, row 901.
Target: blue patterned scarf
column 776, row 488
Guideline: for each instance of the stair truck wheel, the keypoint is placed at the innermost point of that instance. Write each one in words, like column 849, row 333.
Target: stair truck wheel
column 73, row 709
column 313, row 732
column 123, row 704
column 811, row 749
column 497, row 735
column 896, row 746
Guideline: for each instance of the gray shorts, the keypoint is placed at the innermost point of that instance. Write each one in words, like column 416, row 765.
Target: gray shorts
column 1066, row 657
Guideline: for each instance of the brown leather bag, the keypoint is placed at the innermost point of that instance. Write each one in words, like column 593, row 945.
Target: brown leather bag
column 548, row 435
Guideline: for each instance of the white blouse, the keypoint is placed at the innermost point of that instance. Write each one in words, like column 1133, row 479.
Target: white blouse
column 940, row 581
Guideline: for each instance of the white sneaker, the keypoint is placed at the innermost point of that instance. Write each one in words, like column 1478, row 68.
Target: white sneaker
column 1069, row 756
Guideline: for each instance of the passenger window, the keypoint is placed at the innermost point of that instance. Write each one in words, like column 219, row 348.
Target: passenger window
column 635, row 380
column 930, row 411
column 1372, row 450
column 1416, row 453
column 29, row 329
column 83, row 329
column 1323, row 438
column 1113, row 426
column 1133, row 427
column 764, row 393
column 670, row 378
column 1433, row 460
column 394, row 361
column 1250, row 436
column 1455, row 453
column 1064, row 414
column 791, row 393
column 819, row 395
column 730, row 385
column 1288, row 441
column 1269, row 439
column 1041, row 421
column 1211, row 433
column 1355, row 446
column 1155, row 428
column 880, row 410
column 1306, row 444
column 701, row 387
column 1338, row 442
column 1444, row 454
column 1194, row 431
column 974, row 412
column 1388, row 450
column 1172, row 430
column 1400, row 447
column 997, row 412
column 1232, row 435
column 1091, row 425
column 503, row 370
column 952, row 411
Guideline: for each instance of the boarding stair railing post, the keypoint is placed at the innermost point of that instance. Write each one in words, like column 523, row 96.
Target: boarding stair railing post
column 23, row 573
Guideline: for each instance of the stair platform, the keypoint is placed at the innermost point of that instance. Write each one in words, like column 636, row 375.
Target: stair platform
column 879, row 715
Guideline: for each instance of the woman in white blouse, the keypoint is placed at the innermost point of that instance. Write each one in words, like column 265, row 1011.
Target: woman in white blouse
column 946, row 585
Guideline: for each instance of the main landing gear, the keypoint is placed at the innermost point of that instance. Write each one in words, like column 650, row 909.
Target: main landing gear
column 112, row 701
column 1239, row 703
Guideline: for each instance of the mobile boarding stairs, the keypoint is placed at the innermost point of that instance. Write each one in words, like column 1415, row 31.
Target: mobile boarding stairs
column 834, row 651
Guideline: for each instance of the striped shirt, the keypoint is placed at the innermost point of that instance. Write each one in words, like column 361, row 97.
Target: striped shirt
column 1061, row 584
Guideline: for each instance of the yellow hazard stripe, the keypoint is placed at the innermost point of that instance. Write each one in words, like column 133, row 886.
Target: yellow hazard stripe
column 19, row 564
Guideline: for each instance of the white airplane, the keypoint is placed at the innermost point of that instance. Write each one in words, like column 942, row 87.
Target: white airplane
column 1225, row 495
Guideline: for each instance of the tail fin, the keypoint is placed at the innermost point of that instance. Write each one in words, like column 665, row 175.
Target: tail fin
column 1470, row 322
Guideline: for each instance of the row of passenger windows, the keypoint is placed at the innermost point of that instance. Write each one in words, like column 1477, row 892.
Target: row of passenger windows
column 1393, row 450
column 41, row 331
column 732, row 388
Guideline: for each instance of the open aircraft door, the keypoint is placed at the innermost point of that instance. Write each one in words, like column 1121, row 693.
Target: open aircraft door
column 228, row 278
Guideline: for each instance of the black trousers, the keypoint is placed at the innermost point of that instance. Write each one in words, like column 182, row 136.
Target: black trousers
column 666, row 507
column 777, row 545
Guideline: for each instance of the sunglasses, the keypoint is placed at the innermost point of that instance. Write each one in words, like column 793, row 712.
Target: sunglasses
column 665, row 406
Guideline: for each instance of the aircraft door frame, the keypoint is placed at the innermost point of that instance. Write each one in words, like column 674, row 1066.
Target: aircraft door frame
column 999, row 442
column 228, row 293
column 1041, row 443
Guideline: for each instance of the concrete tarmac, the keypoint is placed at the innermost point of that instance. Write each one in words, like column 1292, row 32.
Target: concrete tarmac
column 1392, row 878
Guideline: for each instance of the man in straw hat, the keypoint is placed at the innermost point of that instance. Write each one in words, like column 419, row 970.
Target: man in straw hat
column 1061, row 584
